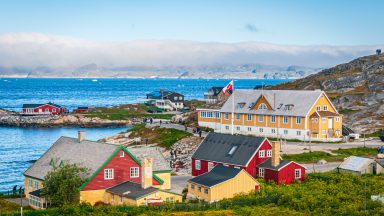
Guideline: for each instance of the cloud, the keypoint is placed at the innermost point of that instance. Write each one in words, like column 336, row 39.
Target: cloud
column 251, row 28
column 36, row 49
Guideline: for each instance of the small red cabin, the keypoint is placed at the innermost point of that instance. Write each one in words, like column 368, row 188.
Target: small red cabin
column 43, row 109
column 82, row 109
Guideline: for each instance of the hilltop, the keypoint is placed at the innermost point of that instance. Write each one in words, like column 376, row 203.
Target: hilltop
column 356, row 88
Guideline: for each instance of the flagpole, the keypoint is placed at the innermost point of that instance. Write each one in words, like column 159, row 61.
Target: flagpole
column 233, row 104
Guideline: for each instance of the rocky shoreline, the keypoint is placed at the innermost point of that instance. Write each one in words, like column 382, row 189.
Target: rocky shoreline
column 50, row 121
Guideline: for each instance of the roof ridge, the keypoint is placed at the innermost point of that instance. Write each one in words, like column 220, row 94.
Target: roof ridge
column 92, row 141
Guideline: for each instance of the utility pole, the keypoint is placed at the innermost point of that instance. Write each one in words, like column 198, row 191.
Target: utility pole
column 21, row 200
column 365, row 192
column 364, row 140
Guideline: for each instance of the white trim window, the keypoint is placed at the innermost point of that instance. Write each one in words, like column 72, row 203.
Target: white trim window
column 54, row 110
column 316, row 120
column 237, row 116
column 108, row 174
column 210, row 166
column 122, row 154
column 226, row 127
column 249, row 129
column 261, row 118
column 36, row 184
column 285, row 132
column 46, row 109
column 30, row 183
column 269, row 153
column 337, row 119
column 298, row 120
column 285, row 119
column 238, row 128
column 324, row 120
column 262, row 106
column 261, row 153
column 318, row 108
column 273, row 119
column 261, row 130
column 298, row 133
column 261, row 172
column 197, row 164
column 134, row 172
column 273, row 130
column 226, row 116
column 297, row 173
column 325, row 108
column 324, row 132
column 249, row 117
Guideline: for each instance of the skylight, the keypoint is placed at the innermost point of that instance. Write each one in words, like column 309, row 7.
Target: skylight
column 233, row 149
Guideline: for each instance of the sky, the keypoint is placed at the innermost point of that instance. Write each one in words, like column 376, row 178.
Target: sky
column 293, row 24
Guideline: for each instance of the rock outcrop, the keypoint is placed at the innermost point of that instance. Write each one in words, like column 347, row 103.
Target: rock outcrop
column 356, row 89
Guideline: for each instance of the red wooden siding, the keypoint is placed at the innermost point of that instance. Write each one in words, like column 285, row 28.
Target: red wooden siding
column 50, row 108
column 121, row 167
column 286, row 175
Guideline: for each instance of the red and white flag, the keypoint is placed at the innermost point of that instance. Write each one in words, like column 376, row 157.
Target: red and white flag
column 228, row 88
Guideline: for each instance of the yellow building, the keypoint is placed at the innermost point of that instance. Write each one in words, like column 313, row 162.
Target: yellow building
column 285, row 114
column 220, row 183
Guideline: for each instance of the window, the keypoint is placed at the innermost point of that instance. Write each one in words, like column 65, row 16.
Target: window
column 273, row 119
column 298, row 133
column 273, row 130
column 285, row 132
column 210, row 166
column 192, row 186
column 236, row 167
column 325, row 108
column 233, row 149
column 36, row 184
column 318, row 108
column 46, row 110
column 54, row 110
column 249, row 129
column 108, row 174
column 262, row 106
column 285, row 119
column 180, row 98
column 269, row 153
column 237, row 116
column 261, row 172
column 337, row 119
column 316, row 120
column 324, row 132
column 206, row 190
column 298, row 120
column 261, row 130
column 249, row 117
column 226, row 116
column 134, row 172
column 175, row 98
column 122, row 154
column 30, row 183
column 199, row 189
column 261, row 118
column 261, row 153
column 238, row 128
column 324, row 120
column 226, row 127
column 198, row 164
column 297, row 173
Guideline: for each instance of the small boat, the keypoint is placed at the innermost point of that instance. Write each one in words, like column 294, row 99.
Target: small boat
column 94, row 80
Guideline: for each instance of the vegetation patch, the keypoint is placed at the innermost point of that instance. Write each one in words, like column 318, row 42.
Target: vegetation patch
column 125, row 113
column 337, row 155
column 165, row 137
column 375, row 134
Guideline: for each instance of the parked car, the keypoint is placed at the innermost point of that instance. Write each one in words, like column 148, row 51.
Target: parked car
column 382, row 136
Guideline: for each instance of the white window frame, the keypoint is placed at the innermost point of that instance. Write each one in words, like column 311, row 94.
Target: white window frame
column 325, row 108
column 273, row 119
column 261, row 153
column 249, row 117
column 134, row 172
column 206, row 190
column 249, row 129
column 261, row 130
column 237, row 116
column 297, row 171
column 30, row 183
column 36, row 184
column 261, row 172
column 324, row 120
column 298, row 120
column 54, row 110
column 273, row 130
column 285, row 132
column 197, row 164
column 269, row 153
column 337, row 119
column 298, row 133
column 285, row 119
column 226, row 127
column 211, row 165
column 46, row 109
column 261, row 118
column 192, row 186
column 122, row 154
column 226, row 116
column 262, row 106
column 108, row 174
column 238, row 128
column 318, row 108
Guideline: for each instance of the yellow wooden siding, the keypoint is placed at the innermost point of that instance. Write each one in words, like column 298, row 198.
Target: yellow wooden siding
column 260, row 101
column 29, row 189
column 242, row 183
column 163, row 195
column 166, row 177
column 92, row 196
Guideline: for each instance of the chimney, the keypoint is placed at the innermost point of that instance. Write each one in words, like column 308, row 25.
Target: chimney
column 146, row 173
column 81, row 136
column 275, row 153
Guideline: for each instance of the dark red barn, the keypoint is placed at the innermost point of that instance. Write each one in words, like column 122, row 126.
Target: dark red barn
column 254, row 154
column 43, row 109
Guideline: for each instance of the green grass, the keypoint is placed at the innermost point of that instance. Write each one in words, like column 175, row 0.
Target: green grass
column 347, row 111
column 309, row 157
column 374, row 134
column 124, row 114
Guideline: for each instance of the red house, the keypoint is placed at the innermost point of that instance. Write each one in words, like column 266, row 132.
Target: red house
column 43, row 109
column 244, row 152
column 280, row 171
column 82, row 110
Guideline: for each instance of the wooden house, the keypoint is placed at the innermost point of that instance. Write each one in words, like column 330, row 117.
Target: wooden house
column 166, row 100
column 109, row 166
column 220, row 183
column 43, row 109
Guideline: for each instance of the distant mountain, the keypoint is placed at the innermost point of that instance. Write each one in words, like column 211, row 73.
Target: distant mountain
column 356, row 88
column 204, row 71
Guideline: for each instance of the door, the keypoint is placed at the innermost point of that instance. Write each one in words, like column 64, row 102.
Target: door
column 330, row 123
